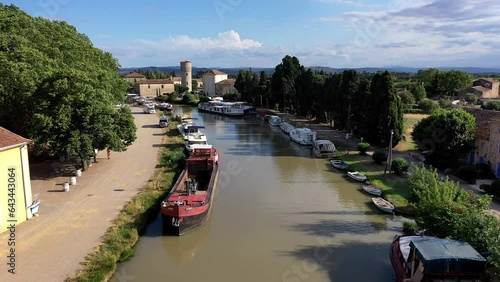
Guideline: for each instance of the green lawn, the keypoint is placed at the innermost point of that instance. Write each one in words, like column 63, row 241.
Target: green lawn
column 410, row 121
column 395, row 188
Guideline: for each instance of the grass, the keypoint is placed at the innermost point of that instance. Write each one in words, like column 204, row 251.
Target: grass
column 410, row 121
column 118, row 241
column 395, row 188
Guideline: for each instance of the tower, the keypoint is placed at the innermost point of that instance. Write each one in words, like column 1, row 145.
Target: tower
column 186, row 79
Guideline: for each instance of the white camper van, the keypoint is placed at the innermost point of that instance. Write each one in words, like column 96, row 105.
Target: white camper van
column 149, row 109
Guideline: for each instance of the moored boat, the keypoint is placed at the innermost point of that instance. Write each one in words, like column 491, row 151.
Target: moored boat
column 223, row 108
column 303, row 136
column 383, row 205
column 180, row 117
column 423, row 258
column 188, row 205
column 338, row 164
column 324, row 148
column 195, row 138
column 274, row 120
column 356, row 175
column 185, row 125
column 286, row 127
column 372, row 190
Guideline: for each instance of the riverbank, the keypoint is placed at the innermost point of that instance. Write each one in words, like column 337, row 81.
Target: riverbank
column 119, row 240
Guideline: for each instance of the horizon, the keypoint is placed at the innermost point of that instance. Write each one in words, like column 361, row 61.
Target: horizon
column 326, row 33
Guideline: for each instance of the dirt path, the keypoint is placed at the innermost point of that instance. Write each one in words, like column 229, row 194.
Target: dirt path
column 70, row 224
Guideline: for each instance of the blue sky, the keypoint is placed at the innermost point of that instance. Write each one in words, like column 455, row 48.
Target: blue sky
column 258, row 33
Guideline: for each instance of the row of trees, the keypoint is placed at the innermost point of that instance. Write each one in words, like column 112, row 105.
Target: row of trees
column 59, row 90
column 349, row 101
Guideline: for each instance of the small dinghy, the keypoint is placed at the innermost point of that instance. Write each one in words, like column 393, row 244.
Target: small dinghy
column 356, row 175
column 338, row 164
column 383, row 204
column 372, row 190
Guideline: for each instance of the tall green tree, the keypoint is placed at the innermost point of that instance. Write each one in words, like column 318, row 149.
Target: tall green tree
column 56, row 87
column 283, row 82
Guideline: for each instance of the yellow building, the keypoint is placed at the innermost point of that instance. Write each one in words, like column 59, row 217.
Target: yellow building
column 15, row 197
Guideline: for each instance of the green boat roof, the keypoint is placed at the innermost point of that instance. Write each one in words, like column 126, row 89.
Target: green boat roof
column 448, row 256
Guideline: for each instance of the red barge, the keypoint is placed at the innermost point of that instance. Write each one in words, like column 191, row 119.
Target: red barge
column 189, row 203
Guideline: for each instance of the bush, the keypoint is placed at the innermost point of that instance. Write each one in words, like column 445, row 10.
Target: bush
column 410, row 228
column 428, row 106
column 399, row 166
column 467, row 173
column 172, row 97
column 493, row 189
column 444, row 103
column 363, row 147
column 204, row 98
column 230, row 97
column 188, row 99
column 379, row 156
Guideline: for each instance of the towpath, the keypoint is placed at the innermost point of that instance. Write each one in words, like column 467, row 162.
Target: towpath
column 70, row 224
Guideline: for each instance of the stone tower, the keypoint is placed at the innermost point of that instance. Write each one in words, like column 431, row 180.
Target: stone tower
column 186, row 76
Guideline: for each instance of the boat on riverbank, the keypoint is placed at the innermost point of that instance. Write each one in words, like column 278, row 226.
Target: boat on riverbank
column 372, row 190
column 188, row 205
column 338, row 164
column 383, row 205
column 223, row 108
column 195, row 138
column 274, row 120
column 187, row 126
column 423, row 258
column 286, row 127
column 356, row 175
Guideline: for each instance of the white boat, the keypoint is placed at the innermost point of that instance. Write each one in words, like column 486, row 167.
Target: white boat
column 372, row 190
column 338, row 164
column 303, row 136
column 286, row 127
column 383, row 204
column 324, row 149
column 195, row 139
column 357, row 176
column 223, row 108
column 185, row 124
column 274, row 120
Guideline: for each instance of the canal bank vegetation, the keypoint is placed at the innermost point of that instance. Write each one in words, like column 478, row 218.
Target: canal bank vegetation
column 118, row 241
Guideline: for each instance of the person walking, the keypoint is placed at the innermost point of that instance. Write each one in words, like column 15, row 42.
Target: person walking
column 108, row 151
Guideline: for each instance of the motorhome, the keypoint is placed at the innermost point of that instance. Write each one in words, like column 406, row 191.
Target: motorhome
column 149, row 109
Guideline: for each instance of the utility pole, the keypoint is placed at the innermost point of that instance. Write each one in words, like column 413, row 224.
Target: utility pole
column 389, row 155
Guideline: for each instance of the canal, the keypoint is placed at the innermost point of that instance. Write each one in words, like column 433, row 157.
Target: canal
column 279, row 215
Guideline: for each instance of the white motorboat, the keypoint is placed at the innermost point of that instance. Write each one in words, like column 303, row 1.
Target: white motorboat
column 274, row 120
column 194, row 139
column 303, row 136
column 357, row 176
column 286, row 127
column 383, row 204
column 324, row 149
column 372, row 190
column 185, row 124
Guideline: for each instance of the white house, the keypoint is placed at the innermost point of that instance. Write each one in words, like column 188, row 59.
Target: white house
column 210, row 78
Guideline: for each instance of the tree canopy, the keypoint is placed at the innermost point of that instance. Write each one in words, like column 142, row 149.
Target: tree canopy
column 57, row 89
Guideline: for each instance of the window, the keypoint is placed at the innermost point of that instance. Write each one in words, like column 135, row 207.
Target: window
column 149, row 86
column 162, row 86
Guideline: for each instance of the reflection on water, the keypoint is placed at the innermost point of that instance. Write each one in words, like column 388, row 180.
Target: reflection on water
column 279, row 215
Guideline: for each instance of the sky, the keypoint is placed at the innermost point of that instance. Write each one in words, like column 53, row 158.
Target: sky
column 258, row 33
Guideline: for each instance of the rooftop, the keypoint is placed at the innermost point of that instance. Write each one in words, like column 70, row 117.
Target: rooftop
column 483, row 120
column 135, row 75
column 215, row 72
column 156, row 81
column 227, row 81
column 9, row 139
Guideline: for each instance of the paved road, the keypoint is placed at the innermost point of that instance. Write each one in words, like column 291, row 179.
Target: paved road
column 70, row 224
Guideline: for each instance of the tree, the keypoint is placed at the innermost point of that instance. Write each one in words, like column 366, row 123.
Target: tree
column 194, row 84
column 283, row 82
column 418, row 91
column 445, row 133
column 180, row 88
column 450, row 82
column 64, row 100
column 471, row 98
column 492, row 105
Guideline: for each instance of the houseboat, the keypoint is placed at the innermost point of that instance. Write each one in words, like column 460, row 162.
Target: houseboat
column 303, row 136
column 188, row 205
column 195, row 138
column 223, row 108
column 423, row 258
column 324, row 149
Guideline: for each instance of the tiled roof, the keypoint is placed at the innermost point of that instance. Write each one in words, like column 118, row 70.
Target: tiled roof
column 215, row 72
column 134, row 75
column 484, row 118
column 9, row 139
column 481, row 88
column 156, row 81
column 492, row 80
column 227, row 81
column 176, row 78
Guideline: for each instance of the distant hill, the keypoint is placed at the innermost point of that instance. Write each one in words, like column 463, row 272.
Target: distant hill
column 234, row 71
